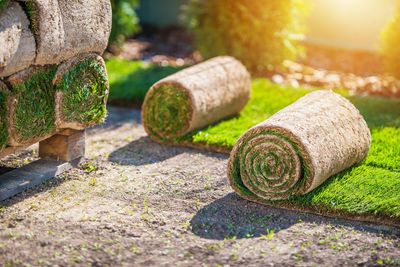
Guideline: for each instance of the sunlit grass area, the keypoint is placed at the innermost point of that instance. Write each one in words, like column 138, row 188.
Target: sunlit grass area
column 130, row 80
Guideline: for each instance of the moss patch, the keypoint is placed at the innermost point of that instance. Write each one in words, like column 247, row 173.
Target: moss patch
column 85, row 90
column 34, row 113
column 167, row 112
column 372, row 188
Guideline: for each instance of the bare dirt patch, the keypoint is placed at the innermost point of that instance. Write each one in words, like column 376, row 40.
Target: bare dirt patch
column 137, row 203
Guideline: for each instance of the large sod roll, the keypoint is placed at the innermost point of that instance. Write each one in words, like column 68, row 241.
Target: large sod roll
column 31, row 109
column 17, row 44
column 195, row 97
column 82, row 91
column 299, row 148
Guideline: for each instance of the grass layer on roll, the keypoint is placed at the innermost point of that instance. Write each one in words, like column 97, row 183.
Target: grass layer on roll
column 34, row 114
column 85, row 89
column 3, row 4
column 130, row 80
column 372, row 188
column 30, row 9
column 167, row 112
column 3, row 120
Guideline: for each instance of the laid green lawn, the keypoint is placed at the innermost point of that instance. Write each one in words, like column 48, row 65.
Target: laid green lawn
column 130, row 80
column 370, row 188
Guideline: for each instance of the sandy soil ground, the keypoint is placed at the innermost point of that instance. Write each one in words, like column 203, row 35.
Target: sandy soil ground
column 136, row 203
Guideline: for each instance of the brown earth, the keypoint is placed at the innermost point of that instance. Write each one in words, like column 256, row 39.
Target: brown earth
column 137, row 203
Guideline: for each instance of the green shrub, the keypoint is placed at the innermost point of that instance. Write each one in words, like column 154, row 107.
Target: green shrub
column 260, row 33
column 390, row 48
column 2, row 4
column 125, row 22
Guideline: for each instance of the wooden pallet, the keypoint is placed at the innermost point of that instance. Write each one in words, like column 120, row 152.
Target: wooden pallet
column 58, row 154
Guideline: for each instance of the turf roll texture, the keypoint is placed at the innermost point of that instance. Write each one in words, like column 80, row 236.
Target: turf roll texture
column 17, row 44
column 195, row 97
column 81, row 92
column 31, row 108
column 298, row 148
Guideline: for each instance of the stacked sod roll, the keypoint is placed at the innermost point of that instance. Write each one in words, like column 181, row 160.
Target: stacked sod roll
column 297, row 149
column 195, row 97
column 81, row 92
column 52, row 76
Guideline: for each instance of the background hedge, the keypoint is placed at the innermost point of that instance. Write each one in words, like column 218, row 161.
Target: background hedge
column 260, row 33
column 125, row 22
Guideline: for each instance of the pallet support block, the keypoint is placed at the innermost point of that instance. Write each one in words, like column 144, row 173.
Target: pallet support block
column 67, row 145
column 58, row 153
column 31, row 175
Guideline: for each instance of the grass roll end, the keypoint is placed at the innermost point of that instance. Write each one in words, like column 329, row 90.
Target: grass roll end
column 82, row 92
column 167, row 112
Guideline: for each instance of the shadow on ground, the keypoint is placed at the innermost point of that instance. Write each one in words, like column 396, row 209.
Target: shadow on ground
column 232, row 216
column 117, row 117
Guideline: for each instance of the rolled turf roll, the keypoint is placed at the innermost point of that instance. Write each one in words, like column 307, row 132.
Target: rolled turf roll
column 47, row 26
column 17, row 44
column 82, row 91
column 4, row 98
column 195, row 97
column 31, row 109
column 299, row 148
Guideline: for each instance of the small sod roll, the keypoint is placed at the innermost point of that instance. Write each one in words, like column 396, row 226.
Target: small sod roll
column 195, row 97
column 297, row 149
column 81, row 85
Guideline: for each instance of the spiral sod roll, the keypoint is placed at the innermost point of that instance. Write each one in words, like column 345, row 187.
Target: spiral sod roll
column 195, row 97
column 297, row 149
column 81, row 92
